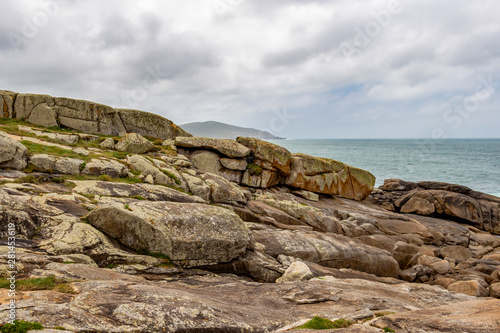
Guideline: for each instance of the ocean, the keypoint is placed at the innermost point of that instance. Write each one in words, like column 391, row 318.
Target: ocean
column 471, row 162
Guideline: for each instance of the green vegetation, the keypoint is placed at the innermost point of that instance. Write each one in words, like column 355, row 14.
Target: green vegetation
column 172, row 176
column 387, row 329
column 36, row 148
column 59, row 328
column 120, row 154
column 20, row 326
column 111, row 266
column 318, row 323
column 138, row 197
column 254, row 169
column 47, row 283
column 127, row 207
column 381, row 314
column 167, row 262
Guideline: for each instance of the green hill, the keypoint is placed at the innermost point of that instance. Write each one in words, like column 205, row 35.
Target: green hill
column 214, row 129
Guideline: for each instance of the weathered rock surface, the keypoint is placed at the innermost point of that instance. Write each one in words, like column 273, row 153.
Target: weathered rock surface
column 105, row 166
column 12, row 153
column 322, row 175
column 190, row 234
column 109, row 143
column 150, row 124
column 229, row 148
column 442, row 199
column 134, row 143
column 65, row 165
column 6, row 102
column 85, row 116
column 268, row 155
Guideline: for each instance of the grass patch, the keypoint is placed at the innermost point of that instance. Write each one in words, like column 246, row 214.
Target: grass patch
column 59, row 328
column 254, row 169
column 127, row 207
column 318, row 323
column 134, row 172
column 20, row 326
column 387, row 329
column 381, row 314
column 172, row 176
column 138, row 197
column 167, row 262
column 36, row 148
column 111, row 266
column 105, row 178
column 47, row 283
column 120, row 154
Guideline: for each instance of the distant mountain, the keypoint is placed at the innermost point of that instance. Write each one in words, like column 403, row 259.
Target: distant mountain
column 217, row 130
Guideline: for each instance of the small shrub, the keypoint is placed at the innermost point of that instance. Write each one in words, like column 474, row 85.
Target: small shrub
column 20, row 326
column 29, row 168
column 318, row 323
column 157, row 142
column 105, row 178
column 82, row 166
column 254, row 169
column 120, row 154
column 111, row 266
column 127, row 207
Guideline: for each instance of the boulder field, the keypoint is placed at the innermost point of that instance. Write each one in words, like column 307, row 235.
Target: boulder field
column 185, row 234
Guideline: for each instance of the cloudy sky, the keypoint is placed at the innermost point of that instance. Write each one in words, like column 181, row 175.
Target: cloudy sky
column 298, row 68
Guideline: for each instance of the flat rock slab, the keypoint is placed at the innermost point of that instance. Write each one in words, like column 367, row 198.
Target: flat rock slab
column 227, row 147
column 231, row 304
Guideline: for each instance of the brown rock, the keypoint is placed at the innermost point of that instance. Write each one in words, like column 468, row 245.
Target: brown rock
column 471, row 288
column 495, row 290
column 418, row 206
column 276, row 156
column 456, row 253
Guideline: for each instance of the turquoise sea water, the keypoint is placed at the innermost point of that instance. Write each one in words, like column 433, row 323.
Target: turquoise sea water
column 471, row 162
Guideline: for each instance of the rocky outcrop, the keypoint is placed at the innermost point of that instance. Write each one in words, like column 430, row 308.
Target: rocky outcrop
column 159, row 239
column 85, row 116
column 323, row 175
column 441, row 199
column 134, row 143
column 190, row 234
column 150, row 124
column 7, row 102
column 226, row 147
column 12, row 153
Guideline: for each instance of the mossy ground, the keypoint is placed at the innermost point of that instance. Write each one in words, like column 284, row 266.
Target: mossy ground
column 47, row 283
column 318, row 323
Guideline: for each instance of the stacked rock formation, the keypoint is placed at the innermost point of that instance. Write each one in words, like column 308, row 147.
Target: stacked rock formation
column 84, row 116
column 260, row 164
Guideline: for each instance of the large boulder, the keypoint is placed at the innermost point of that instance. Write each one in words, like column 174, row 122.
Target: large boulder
column 12, row 153
column 64, row 165
column 134, row 143
column 268, row 155
column 328, row 250
column 105, row 166
column 150, row 124
column 160, row 171
column 7, row 103
column 226, row 147
column 327, row 176
column 39, row 105
column 190, row 234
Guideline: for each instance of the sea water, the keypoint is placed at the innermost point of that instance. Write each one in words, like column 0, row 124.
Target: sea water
column 471, row 162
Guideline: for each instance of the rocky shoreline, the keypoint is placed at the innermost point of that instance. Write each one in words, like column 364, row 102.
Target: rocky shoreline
column 142, row 228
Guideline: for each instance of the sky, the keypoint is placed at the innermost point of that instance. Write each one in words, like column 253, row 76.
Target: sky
column 297, row 68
